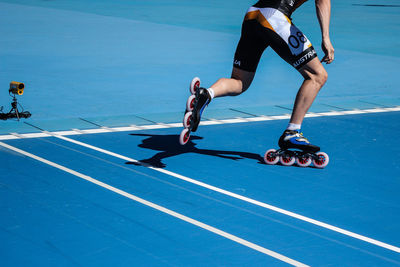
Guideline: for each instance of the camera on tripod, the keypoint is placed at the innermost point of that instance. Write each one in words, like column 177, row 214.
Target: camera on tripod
column 16, row 88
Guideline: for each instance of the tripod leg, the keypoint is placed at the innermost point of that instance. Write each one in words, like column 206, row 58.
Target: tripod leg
column 14, row 110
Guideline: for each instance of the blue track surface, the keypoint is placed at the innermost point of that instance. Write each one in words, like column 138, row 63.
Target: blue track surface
column 98, row 64
column 59, row 217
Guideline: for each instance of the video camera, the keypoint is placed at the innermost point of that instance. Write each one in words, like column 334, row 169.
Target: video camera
column 16, row 88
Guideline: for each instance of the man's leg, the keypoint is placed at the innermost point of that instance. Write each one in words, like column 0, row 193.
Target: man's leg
column 315, row 77
column 238, row 83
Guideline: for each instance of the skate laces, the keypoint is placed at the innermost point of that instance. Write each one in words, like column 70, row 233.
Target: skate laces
column 298, row 135
column 301, row 137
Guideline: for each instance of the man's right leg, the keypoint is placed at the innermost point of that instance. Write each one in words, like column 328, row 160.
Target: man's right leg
column 238, row 83
column 247, row 56
column 248, row 53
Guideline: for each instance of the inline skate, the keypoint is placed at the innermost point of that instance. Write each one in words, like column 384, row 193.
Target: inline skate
column 295, row 148
column 195, row 106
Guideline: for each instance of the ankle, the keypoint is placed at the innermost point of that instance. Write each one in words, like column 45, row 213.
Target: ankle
column 211, row 92
column 293, row 127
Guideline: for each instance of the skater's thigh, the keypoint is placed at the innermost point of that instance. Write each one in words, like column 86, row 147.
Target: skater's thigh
column 288, row 41
column 246, row 77
column 313, row 69
column 250, row 47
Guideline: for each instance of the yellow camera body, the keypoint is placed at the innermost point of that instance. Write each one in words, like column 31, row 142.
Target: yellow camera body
column 16, row 88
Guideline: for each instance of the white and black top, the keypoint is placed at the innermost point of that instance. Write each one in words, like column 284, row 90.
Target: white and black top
column 287, row 7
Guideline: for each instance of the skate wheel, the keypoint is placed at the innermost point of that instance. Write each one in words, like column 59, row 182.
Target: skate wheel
column 322, row 160
column 187, row 119
column 303, row 161
column 190, row 103
column 287, row 160
column 184, row 137
column 194, row 85
column 270, row 157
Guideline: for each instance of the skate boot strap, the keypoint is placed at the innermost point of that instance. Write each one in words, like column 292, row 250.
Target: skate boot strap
column 295, row 139
column 204, row 91
column 291, row 134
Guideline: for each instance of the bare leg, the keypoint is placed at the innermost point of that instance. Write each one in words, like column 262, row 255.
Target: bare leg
column 315, row 77
column 238, row 83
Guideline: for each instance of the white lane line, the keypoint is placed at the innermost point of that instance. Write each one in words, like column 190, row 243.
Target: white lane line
column 160, row 208
column 17, row 135
column 392, row 109
column 8, row 137
column 237, row 196
column 209, row 122
column 352, row 112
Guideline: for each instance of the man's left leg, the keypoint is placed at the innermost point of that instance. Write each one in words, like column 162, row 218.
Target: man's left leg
column 315, row 77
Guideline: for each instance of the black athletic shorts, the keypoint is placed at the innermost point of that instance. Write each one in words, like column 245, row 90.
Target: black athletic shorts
column 263, row 27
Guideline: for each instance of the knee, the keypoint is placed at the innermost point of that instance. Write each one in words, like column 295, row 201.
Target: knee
column 245, row 84
column 321, row 77
column 318, row 77
column 242, row 83
column 232, row 86
column 243, row 78
column 223, row 80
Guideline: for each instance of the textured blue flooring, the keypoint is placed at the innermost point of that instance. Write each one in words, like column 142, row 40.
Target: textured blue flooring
column 88, row 59
column 70, row 221
column 88, row 64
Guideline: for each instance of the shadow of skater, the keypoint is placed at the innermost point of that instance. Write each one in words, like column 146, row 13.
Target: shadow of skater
column 170, row 147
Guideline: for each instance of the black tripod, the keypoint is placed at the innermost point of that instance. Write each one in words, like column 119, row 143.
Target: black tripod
column 14, row 112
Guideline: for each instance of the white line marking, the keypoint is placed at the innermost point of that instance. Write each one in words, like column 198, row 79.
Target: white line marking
column 280, row 117
column 107, row 128
column 237, row 196
column 393, row 109
column 17, row 135
column 244, row 119
column 35, row 135
column 209, row 122
column 72, row 132
column 160, row 208
column 153, row 126
column 375, row 110
column 331, row 113
column 94, row 131
column 237, row 120
column 8, row 137
column 136, row 127
column 165, row 125
column 261, row 118
column 352, row 112
column 79, row 131
column 175, row 125
column 311, row 115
